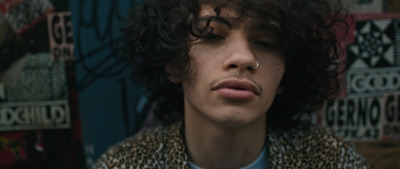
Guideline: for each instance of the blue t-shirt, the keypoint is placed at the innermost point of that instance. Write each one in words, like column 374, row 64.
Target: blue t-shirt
column 259, row 163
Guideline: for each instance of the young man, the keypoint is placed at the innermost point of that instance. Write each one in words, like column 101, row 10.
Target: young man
column 235, row 82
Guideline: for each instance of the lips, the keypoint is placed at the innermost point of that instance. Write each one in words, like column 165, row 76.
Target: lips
column 236, row 89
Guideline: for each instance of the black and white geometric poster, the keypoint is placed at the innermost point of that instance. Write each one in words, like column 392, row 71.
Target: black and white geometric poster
column 374, row 59
column 369, row 106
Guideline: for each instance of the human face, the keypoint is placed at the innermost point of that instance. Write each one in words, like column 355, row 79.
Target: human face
column 221, row 87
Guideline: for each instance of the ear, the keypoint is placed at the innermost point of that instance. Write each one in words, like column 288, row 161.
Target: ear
column 171, row 75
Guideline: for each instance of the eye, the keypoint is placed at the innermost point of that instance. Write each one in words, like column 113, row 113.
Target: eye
column 265, row 44
column 212, row 36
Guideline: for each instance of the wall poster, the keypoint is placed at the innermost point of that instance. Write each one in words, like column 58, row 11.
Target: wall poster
column 40, row 125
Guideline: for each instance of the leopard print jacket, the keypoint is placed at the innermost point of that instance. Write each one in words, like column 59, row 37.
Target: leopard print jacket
column 164, row 147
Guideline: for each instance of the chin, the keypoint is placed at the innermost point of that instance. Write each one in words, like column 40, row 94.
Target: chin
column 235, row 120
column 234, row 124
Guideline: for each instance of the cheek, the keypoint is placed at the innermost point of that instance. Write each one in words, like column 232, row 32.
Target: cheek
column 195, row 76
column 273, row 77
column 203, row 64
column 280, row 72
column 278, row 78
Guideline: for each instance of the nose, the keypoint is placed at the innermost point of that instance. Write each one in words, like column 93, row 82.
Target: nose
column 240, row 56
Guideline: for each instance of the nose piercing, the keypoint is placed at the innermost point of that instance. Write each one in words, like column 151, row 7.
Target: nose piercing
column 254, row 67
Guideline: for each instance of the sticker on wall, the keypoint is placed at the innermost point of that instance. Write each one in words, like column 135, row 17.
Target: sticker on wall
column 373, row 60
column 60, row 35
column 364, row 118
column 39, row 98
column 23, row 14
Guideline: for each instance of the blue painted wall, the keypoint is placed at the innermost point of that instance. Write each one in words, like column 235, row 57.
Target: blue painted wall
column 108, row 101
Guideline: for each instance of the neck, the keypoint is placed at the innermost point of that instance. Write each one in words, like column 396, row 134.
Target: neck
column 213, row 145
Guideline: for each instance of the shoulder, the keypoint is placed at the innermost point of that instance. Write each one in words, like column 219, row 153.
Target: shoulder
column 316, row 147
column 147, row 149
column 132, row 151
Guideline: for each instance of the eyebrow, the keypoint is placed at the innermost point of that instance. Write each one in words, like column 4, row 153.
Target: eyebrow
column 258, row 26
column 219, row 19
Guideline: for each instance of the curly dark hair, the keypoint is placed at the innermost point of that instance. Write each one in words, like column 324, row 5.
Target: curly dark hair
column 158, row 33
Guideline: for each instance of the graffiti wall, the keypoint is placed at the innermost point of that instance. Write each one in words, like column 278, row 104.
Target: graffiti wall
column 110, row 104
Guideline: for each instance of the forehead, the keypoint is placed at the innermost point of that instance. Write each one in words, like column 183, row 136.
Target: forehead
column 228, row 14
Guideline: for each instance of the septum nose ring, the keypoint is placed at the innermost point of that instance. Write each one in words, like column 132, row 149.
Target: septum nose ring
column 254, row 67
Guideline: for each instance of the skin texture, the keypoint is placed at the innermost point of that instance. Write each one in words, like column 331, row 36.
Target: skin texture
column 225, row 100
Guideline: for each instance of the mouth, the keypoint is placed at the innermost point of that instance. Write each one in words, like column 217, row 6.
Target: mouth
column 236, row 89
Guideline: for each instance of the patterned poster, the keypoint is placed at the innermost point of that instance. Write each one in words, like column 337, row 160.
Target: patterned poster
column 374, row 59
column 369, row 109
column 38, row 99
column 40, row 125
